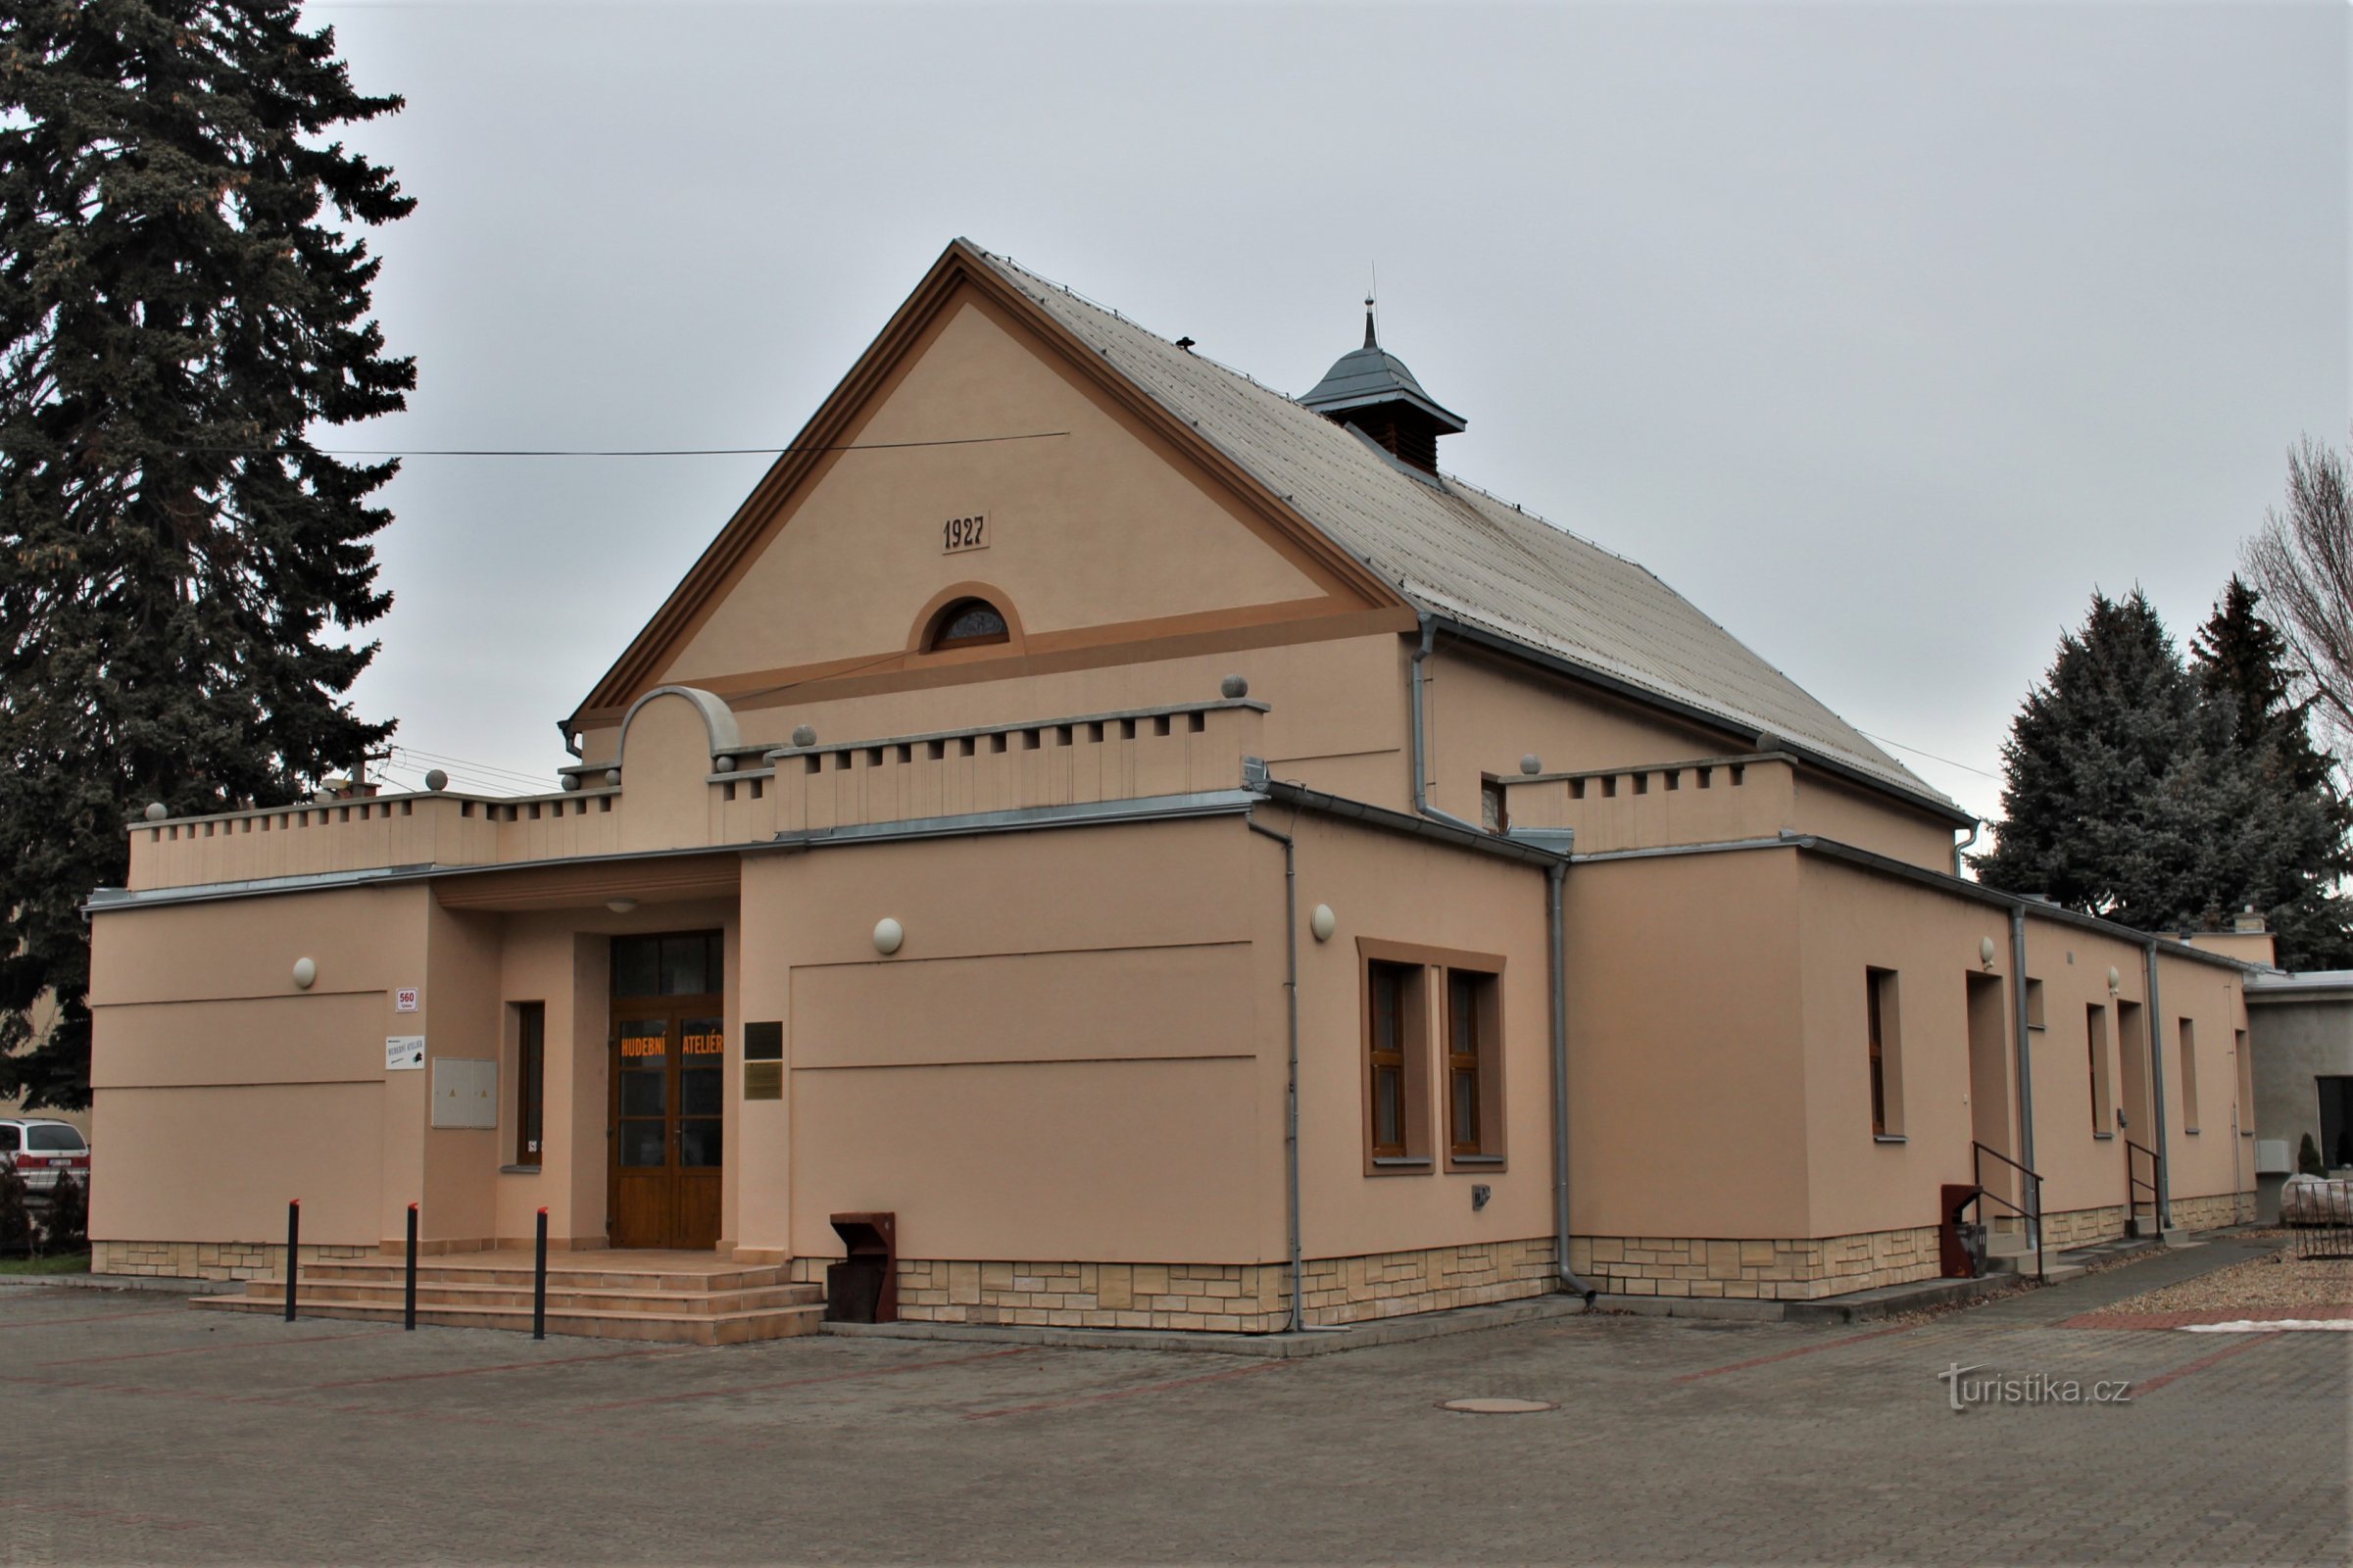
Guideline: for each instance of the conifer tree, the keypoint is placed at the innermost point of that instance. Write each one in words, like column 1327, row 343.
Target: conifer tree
column 184, row 300
column 2242, row 662
column 2130, row 792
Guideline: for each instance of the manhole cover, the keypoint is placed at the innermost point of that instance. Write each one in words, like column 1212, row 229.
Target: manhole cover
column 1496, row 1406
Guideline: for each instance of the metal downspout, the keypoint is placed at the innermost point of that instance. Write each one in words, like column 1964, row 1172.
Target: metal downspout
column 2165, row 1161
column 2026, row 1064
column 1556, row 932
column 1962, row 849
column 1290, row 1091
column 1421, row 745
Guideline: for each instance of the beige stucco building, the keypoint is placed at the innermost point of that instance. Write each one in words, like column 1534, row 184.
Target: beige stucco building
column 1158, row 838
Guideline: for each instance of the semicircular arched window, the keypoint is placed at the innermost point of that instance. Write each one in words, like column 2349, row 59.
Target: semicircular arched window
column 966, row 623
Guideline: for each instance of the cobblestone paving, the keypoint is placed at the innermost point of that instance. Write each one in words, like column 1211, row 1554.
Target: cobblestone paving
column 136, row 1430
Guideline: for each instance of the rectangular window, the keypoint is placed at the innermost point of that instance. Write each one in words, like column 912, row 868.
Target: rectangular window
column 2033, row 1003
column 1474, row 1069
column 530, row 1079
column 1495, row 810
column 2189, row 1076
column 2245, row 1119
column 2095, row 1043
column 1883, row 1029
column 2337, row 1122
column 1396, row 1063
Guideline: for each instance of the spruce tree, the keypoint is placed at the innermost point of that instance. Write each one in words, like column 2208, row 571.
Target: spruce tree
column 183, row 301
column 2107, row 781
column 2242, row 663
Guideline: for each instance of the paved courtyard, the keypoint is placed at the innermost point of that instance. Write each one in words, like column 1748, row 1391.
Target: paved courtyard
column 136, row 1430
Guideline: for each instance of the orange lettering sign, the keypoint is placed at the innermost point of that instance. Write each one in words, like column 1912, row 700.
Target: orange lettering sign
column 702, row 1045
column 644, row 1045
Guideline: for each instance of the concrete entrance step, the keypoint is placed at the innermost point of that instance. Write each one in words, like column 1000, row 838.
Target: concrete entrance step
column 681, row 1297
column 562, row 1294
column 675, row 1328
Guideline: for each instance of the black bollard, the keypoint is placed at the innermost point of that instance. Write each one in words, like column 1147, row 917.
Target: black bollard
column 293, row 1249
column 409, row 1293
column 539, row 1284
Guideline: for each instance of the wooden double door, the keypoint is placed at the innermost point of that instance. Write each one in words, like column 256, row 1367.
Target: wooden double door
column 669, row 1102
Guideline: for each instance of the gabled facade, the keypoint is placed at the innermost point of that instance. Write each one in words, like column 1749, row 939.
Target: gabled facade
column 1190, row 861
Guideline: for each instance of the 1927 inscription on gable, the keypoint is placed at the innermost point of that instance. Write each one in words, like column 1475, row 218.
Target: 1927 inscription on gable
column 965, row 533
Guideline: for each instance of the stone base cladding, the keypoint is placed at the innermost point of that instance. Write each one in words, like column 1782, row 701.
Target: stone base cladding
column 2080, row 1227
column 1775, row 1269
column 1236, row 1297
column 209, row 1261
column 2212, row 1211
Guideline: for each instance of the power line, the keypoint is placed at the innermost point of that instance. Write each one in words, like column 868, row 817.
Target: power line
column 1930, row 756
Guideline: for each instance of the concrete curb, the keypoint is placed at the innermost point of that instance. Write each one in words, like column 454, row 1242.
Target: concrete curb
column 1316, row 1342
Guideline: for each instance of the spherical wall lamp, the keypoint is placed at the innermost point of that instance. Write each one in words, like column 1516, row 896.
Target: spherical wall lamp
column 1323, row 922
column 2114, row 979
column 1985, row 952
column 306, row 974
column 889, row 935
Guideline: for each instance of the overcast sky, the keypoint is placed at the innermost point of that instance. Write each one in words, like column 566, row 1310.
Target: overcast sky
column 1884, row 333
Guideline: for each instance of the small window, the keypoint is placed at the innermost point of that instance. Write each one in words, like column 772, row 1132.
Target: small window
column 966, row 623
column 1495, row 810
column 1395, row 1065
column 1884, row 1026
column 2103, row 1103
column 530, row 1079
column 1474, row 1068
column 2337, row 1121
column 2189, row 1076
column 2033, row 1003
column 2245, row 1119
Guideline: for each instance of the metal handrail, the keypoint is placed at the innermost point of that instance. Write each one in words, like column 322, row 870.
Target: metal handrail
column 2133, row 1184
column 2031, row 1215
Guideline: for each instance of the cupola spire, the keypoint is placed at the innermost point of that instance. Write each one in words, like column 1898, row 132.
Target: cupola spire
column 1370, row 389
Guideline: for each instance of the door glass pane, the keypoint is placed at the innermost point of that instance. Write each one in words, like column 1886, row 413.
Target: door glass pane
column 698, row 1143
column 642, row 1144
column 699, row 1090
column 643, row 1094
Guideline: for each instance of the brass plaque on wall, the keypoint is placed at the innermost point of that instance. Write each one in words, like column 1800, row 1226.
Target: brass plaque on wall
column 764, row 1080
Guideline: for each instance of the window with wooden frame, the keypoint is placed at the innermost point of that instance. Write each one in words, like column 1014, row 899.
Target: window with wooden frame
column 1396, row 1056
column 1474, row 1048
column 1883, row 1022
column 2096, row 1045
column 2189, row 1076
column 530, row 1080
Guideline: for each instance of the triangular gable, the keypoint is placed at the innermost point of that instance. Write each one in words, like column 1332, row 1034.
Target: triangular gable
column 1231, row 552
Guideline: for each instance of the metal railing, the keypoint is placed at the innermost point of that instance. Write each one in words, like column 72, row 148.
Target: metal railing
column 2031, row 1211
column 2154, row 1186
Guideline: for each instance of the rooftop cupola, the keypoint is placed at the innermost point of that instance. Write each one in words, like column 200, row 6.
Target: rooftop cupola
column 1371, row 389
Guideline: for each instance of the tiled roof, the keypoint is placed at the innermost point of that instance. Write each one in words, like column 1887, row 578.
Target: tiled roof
column 1464, row 554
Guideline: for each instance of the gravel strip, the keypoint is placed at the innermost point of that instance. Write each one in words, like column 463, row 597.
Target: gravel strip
column 2258, row 1287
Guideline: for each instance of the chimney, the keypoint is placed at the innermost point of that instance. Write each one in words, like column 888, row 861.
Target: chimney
column 2248, row 922
column 1370, row 389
